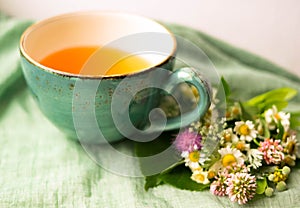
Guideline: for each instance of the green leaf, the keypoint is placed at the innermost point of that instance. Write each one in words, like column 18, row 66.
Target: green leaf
column 278, row 94
column 179, row 177
column 146, row 149
column 226, row 87
column 261, row 185
column 278, row 97
column 280, row 104
column 248, row 112
column 155, row 180
column 168, row 169
column 281, row 131
column 223, row 95
column 152, row 181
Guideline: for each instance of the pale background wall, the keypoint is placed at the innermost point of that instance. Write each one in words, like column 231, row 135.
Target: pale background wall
column 270, row 28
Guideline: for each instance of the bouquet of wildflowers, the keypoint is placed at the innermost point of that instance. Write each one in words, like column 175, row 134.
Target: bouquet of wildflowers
column 248, row 150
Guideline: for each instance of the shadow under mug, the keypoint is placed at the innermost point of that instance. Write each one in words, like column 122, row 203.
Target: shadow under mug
column 107, row 108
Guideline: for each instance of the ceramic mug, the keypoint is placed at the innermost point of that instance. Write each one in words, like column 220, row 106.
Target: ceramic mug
column 84, row 105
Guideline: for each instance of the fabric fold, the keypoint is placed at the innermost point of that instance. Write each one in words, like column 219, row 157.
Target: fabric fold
column 40, row 167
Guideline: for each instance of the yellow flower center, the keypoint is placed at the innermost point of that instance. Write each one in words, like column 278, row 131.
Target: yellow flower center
column 278, row 176
column 277, row 116
column 228, row 160
column 199, row 177
column 227, row 137
column 291, row 147
column 194, row 156
column 240, row 146
column 235, row 111
column 211, row 174
column 244, row 129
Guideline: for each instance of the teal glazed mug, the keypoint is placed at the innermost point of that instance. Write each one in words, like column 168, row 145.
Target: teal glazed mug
column 99, row 108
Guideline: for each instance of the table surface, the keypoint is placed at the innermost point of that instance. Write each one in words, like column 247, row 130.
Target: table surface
column 39, row 167
column 268, row 28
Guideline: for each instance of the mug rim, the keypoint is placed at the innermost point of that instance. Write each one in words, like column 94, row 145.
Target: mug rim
column 85, row 76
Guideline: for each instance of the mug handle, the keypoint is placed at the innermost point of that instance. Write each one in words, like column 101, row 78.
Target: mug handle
column 190, row 76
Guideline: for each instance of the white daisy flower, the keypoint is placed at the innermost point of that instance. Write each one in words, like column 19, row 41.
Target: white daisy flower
column 230, row 156
column 192, row 159
column 291, row 145
column 245, row 130
column 185, row 154
column 272, row 115
column 254, row 156
column 228, row 137
column 241, row 145
column 200, row 177
column 234, row 111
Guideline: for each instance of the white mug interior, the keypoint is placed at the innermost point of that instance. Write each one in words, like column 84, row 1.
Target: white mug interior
column 98, row 29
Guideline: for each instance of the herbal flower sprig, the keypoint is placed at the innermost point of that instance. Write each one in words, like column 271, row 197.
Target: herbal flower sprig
column 251, row 145
column 249, row 148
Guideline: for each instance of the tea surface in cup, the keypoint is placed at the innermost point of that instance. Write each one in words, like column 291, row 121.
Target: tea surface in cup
column 109, row 61
column 123, row 104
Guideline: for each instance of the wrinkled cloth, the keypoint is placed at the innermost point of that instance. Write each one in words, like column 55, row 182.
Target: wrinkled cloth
column 39, row 167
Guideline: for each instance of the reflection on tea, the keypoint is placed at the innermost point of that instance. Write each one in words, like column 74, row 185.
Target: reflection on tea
column 93, row 60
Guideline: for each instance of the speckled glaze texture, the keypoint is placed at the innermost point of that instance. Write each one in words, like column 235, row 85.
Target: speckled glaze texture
column 107, row 108
column 55, row 94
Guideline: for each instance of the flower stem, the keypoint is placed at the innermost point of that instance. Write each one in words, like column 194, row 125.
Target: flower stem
column 256, row 142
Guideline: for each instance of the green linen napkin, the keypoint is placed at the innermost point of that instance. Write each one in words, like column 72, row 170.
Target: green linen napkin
column 39, row 167
column 10, row 31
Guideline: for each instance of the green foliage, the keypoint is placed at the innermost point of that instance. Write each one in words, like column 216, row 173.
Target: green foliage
column 278, row 97
column 247, row 111
column 259, row 104
column 261, row 185
column 152, row 181
column 281, row 131
column 223, row 94
column 226, row 87
column 176, row 175
column 179, row 176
